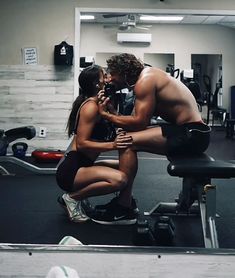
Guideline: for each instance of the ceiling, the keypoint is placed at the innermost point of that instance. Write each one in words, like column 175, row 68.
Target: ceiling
column 117, row 19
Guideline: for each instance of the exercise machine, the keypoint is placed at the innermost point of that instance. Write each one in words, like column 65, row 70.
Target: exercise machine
column 212, row 101
column 6, row 137
column 187, row 77
column 172, row 71
column 198, row 194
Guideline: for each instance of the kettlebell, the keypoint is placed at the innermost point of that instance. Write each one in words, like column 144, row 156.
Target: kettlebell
column 19, row 149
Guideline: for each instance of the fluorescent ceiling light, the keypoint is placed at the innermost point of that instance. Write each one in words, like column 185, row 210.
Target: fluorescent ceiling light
column 160, row 18
column 87, row 17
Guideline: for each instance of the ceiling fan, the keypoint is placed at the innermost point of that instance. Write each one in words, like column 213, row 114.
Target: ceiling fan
column 128, row 24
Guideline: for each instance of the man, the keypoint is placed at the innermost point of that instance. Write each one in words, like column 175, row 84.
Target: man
column 156, row 94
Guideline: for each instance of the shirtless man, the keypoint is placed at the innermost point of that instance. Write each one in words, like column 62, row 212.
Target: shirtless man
column 156, row 94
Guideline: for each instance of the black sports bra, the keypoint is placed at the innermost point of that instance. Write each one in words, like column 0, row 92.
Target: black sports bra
column 103, row 129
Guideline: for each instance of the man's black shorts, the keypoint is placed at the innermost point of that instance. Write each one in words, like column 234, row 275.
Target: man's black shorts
column 189, row 138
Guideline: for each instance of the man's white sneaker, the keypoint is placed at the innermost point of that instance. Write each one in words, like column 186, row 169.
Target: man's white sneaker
column 74, row 209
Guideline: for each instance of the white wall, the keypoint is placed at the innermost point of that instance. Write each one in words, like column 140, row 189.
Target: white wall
column 182, row 40
column 45, row 23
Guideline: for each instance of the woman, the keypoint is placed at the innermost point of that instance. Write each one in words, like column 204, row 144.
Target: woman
column 77, row 173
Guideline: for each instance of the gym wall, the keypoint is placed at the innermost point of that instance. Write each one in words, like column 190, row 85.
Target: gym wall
column 189, row 39
column 42, row 95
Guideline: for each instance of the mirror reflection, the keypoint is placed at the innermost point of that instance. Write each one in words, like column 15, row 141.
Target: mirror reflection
column 173, row 47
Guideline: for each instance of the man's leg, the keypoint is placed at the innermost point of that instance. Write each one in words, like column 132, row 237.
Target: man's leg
column 128, row 164
column 149, row 140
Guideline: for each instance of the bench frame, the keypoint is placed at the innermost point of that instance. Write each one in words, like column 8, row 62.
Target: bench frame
column 198, row 196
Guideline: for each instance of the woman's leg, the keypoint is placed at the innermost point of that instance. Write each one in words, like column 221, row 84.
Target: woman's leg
column 108, row 162
column 97, row 180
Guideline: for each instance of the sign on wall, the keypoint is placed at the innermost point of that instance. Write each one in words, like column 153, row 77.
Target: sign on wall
column 30, row 55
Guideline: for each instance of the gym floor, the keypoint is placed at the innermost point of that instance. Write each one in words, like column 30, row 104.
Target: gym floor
column 30, row 212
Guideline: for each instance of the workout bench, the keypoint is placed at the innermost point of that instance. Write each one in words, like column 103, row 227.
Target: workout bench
column 198, row 195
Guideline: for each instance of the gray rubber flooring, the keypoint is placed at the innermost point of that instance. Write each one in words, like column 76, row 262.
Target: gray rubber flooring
column 31, row 214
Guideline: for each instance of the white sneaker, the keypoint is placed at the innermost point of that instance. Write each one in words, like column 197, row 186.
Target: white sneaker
column 74, row 209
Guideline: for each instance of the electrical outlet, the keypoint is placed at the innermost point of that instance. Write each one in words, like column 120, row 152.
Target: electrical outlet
column 42, row 132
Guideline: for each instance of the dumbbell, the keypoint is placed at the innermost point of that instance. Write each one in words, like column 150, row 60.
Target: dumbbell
column 143, row 235
column 164, row 231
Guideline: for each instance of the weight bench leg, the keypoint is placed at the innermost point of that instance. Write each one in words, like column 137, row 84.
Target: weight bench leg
column 208, row 215
column 185, row 203
column 205, row 194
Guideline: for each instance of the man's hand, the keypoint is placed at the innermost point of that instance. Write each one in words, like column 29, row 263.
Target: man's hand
column 123, row 141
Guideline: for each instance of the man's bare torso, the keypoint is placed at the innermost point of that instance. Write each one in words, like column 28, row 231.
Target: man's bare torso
column 170, row 99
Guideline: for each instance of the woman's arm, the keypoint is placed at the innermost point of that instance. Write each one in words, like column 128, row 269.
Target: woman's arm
column 88, row 116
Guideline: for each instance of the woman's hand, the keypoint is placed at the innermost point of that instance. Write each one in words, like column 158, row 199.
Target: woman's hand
column 104, row 104
column 123, row 141
column 120, row 130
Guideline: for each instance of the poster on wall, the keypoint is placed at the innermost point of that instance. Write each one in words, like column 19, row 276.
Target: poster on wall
column 30, row 55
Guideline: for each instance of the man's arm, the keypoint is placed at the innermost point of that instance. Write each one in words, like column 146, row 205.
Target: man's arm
column 143, row 110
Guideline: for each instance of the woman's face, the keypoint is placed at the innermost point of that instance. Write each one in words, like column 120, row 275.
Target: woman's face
column 107, row 77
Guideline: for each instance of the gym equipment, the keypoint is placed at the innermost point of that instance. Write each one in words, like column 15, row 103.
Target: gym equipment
column 212, row 102
column 6, row 137
column 230, row 123
column 187, row 77
column 232, row 103
column 19, row 149
column 198, row 195
column 25, row 165
column 164, row 231
column 143, row 235
column 47, row 155
column 172, row 71
column 3, row 143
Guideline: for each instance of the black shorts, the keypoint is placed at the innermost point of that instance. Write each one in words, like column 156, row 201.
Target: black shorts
column 67, row 170
column 190, row 138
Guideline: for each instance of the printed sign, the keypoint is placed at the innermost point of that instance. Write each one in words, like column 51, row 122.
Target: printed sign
column 30, row 56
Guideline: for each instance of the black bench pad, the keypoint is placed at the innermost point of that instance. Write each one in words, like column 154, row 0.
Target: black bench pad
column 27, row 132
column 200, row 166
